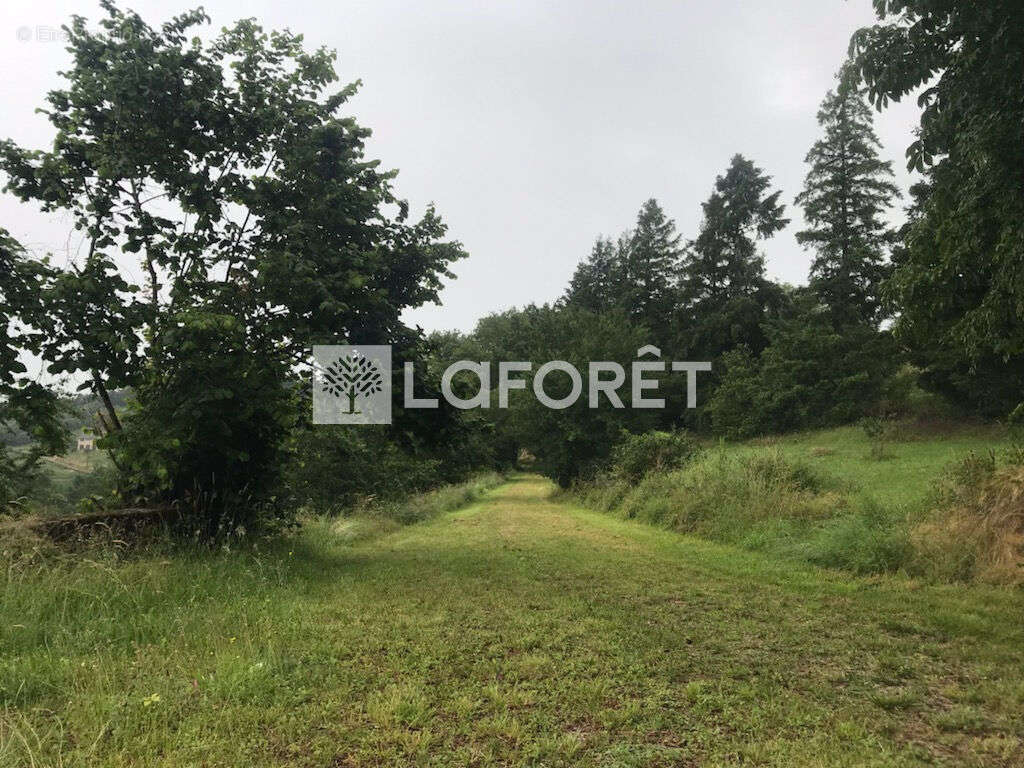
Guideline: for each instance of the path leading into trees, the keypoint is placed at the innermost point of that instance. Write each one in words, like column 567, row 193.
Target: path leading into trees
column 529, row 629
column 519, row 631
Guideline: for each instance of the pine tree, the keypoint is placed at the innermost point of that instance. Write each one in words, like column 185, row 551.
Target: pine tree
column 650, row 265
column 723, row 262
column 846, row 193
column 636, row 274
column 594, row 282
column 725, row 297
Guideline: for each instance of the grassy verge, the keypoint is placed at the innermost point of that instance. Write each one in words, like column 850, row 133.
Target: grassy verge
column 517, row 631
column 376, row 518
column 834, row 498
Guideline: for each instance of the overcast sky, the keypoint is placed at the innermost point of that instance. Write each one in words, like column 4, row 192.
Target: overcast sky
column 534, row 126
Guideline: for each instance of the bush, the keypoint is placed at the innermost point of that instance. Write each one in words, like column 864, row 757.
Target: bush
column 737, row 408
column 207, row 428
column 637, row 455
column 335, row 468
column 810, row 375
column 879, row 431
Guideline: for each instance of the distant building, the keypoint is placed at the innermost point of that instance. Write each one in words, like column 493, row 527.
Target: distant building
column 86, row 443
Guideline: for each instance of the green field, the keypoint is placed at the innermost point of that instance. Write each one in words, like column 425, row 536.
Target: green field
column 519, row 631
column 914, row 457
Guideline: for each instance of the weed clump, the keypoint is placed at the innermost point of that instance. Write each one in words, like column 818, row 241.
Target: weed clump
column 974, row 529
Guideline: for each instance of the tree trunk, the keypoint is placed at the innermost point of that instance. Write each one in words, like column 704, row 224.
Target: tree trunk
column 101, row 392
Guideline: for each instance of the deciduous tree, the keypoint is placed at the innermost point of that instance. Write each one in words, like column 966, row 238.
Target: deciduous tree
column 257, row 224
column 959, row 283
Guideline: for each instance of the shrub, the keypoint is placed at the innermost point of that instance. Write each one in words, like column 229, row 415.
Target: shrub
column 879, row 431
column 36, row 411
column 811, row 374
column 335, row 468
column 208, row 427
column 736, row 408
column 637, row 455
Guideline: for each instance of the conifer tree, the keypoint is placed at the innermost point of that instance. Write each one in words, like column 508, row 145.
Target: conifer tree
column 650, row 265
column 725, row 296
column 723, row 262
column 636, row 274
column 593, row 283
column 846, row 193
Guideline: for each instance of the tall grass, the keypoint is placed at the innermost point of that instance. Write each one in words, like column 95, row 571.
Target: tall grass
column 974, row 529
column 373, row 517
column 447, row 498
column 762, row 501
column 971, row 529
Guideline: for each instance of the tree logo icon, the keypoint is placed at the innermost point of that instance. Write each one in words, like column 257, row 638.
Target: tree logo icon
column 352, row 384
column 353, row 376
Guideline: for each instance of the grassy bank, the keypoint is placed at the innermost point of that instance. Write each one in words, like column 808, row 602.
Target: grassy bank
column 912, row 456
column 518, row 631
column 836, row 498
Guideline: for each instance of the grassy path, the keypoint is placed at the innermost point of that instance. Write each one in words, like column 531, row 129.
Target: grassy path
column 519, row 631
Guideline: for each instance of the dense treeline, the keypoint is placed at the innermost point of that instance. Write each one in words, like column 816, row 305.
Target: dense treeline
column 782, row 357
column 262, row 229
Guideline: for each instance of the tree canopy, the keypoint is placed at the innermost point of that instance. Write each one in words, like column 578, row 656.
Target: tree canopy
column 959, row 279
column 258, row 225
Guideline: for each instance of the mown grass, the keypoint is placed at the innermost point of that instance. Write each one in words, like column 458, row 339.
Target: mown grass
column 519, row 631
